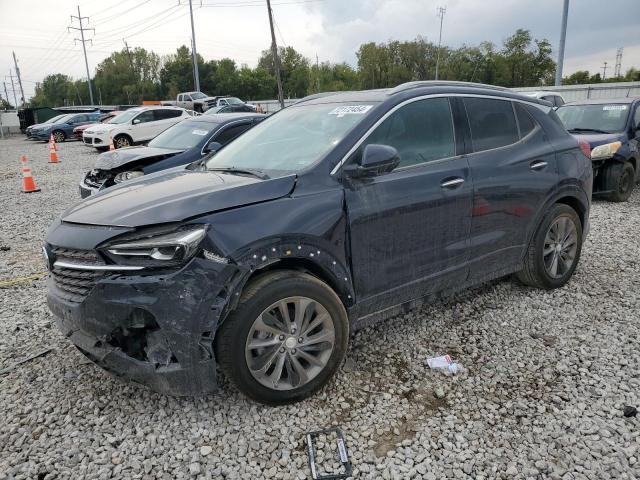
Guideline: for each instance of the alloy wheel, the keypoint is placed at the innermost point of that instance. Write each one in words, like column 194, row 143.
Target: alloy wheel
column 58, row 137
column 560, row 247
column 290, row 343
column 122, row 142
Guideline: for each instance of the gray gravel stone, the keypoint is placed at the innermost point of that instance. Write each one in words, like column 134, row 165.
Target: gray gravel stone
column 548, row 375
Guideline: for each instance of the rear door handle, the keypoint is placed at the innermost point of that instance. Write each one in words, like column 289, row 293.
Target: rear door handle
column 538, row 165
column 452, row 182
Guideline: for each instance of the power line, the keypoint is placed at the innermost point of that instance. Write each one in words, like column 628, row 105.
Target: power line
column 84, row 48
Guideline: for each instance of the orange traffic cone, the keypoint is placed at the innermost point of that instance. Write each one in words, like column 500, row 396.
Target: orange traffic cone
column 111, row 145
column 53, row 156
column 53, row 141
column 28, row 183
column 23, row 159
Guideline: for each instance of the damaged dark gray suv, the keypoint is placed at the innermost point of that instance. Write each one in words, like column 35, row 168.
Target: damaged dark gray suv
column 339, row 211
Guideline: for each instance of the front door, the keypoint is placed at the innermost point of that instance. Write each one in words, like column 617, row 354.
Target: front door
column 409, row 228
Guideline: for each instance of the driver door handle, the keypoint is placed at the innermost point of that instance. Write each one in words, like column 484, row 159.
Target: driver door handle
column 538, row 165
column 452, row 182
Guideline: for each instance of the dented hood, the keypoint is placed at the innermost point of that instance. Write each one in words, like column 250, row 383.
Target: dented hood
column 122, row 156
column 175, row 196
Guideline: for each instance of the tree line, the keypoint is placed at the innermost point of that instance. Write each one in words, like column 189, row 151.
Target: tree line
column 133, row 75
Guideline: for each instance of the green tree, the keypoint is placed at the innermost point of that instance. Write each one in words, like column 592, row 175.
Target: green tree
column 55, row 90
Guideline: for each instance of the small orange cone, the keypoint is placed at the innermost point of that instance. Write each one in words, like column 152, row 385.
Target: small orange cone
column 53, row 141
column 53, row 156
column 23, row 159
column 111, row 145
column 28, row 183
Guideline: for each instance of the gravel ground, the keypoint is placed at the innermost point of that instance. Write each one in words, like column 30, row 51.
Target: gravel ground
column 548, row 375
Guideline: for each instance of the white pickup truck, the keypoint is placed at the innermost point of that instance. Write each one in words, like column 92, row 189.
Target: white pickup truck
column 201, row 102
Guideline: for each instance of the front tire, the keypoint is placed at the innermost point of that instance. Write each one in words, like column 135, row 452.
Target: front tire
column 59, row 136
column 286, row 338
column 620, row 179
column 554, row 250
column 122, row 141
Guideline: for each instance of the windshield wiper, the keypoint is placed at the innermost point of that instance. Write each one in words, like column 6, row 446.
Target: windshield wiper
column 587, row 130
column 241, row 171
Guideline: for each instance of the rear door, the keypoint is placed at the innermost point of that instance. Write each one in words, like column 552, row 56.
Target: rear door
column 514, row 172
column 409, row 229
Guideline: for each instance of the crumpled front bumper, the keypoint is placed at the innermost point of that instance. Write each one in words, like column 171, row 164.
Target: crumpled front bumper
column 156, row 330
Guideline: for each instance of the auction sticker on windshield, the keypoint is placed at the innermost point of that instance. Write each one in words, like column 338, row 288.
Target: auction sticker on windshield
column 202, row 133
column 350, row 110
column 614, row 107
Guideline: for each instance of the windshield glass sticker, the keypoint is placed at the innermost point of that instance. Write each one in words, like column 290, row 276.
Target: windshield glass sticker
column 614, row 107
column 350, row 110
column 202, row 133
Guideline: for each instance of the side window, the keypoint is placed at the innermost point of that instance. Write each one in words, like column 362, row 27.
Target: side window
column 230, row 133
column 165, row 113
column 636, row 117
column 180, row 98
column 187, row 98
column 421, row 131
column 223, row 102
column 144, row 117
column 524, row 120
column 492, row 123
column 558, row 100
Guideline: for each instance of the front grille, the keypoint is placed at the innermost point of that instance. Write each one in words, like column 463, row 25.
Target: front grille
column 87, row 140
column 74, row 285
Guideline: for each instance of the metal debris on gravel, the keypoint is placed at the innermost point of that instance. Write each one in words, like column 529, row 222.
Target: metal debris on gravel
column 549, row 374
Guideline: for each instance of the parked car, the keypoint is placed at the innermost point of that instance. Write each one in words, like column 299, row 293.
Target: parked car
column 62, row 129
column 133, row 126
column 233, row 108
column 181, row 144
column 554, row 98
column 57, row 118
column 104, row 118
column 341, row 210
column 201, row 102
column 611, row 127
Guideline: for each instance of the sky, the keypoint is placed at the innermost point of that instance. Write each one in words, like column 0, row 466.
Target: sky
column 36, row 30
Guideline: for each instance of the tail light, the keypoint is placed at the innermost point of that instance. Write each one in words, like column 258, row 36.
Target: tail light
column 585, row 147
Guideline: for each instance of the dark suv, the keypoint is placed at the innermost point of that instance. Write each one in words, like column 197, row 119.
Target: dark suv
column 334, row 213
column 611, row 129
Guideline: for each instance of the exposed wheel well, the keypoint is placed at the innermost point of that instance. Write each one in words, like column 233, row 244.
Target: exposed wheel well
column 574, row 203
column 307, row 266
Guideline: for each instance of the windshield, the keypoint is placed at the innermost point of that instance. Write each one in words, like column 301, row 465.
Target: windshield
column 183, row 135
column 57, row 118
column 233, row 100
column 607, row 118
column 291, row 140
column 214, row 110
column 198, row 95
column 61, row 118
column 124, row 117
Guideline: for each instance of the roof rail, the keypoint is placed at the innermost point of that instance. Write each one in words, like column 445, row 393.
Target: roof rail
column 436, row 83
column 316, row 95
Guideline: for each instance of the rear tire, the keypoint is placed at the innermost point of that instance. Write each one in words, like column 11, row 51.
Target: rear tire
column 554, row 250
column 295, row 363
column 620, row 179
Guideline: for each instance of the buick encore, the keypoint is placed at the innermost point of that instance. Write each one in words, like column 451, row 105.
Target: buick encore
column 337, row 212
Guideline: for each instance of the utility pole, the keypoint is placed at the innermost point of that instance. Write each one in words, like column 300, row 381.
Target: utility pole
column 15, row 62
column 13, row 88
column 276, row 59
column 618, row 70
column 604, row 71
column 6, row 95
column 563, row 36
column 84, row 49
column 132, row 72
column 441, row 12
column 196, row 75
column 317, row 74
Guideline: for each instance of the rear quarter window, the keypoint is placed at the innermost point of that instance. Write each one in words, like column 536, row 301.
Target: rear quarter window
column 492, row 123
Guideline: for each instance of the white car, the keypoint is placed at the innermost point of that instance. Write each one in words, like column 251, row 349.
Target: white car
column 553, row 97
column 133, row 126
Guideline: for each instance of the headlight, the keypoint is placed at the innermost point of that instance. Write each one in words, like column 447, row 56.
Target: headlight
column 605, row 151
column 160, row 250
column 124, row 176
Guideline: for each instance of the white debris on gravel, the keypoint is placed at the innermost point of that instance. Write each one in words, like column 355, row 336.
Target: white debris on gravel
column 549, row 374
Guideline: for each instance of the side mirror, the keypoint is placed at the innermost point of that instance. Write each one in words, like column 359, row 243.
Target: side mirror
column 376, row 160
column 212, row 147
column 135, row 121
